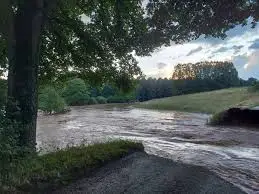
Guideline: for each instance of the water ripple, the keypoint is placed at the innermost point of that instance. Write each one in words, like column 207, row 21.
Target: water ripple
column 232, row 153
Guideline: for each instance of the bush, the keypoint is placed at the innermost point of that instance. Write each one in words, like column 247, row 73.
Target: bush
column 108, row 91
column 236, row 117
column 10, row 150
column 217, row 118
column 50, row 101
column 76, row 92
column 101, row 100
column 121, row 99
column 254, row 88
column 116, row 99
column 92, row 101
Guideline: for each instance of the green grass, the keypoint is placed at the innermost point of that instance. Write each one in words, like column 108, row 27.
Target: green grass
column 59, row 168
column 217, row 118
column 206, row 102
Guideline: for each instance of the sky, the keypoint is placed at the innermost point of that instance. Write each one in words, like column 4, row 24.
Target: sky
column 240, row 47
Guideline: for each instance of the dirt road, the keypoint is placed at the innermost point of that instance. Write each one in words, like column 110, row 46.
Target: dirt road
column 143, row 173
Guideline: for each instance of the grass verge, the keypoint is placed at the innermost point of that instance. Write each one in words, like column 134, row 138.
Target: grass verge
column 206, row 102
column 53, row 170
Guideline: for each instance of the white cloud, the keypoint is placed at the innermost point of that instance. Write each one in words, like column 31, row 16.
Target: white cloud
column 233, row 48
column 253, row 60
column 246, row 66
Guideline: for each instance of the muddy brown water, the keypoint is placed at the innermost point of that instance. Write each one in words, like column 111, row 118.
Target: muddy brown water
column 233, row 153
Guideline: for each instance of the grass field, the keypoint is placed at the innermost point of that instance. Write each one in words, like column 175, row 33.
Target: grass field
column 206, row 102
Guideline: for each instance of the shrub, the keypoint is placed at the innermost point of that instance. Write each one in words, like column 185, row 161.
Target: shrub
column 116, row 99
column 217, row 118
column 101, row 100
column 108, row 91
column 50, row 101
column 92, row 101
column 10, row 150
column 76, row 92
column 120, row 99
column 254, row 88
column 236, row 117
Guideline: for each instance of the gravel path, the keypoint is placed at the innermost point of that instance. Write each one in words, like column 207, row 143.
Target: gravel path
column 143, row 173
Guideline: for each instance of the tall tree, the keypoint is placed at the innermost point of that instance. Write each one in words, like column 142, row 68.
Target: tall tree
column 154, row 88
column 204, row 76
column 89, row 39
column 22, row 28
column 213, row 70
column 112, row 30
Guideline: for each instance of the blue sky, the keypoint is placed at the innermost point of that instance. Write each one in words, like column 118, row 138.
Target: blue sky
column 241, row 47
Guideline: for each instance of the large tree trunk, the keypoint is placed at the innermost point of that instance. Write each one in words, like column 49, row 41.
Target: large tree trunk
column 7, row 31
column 23, row 71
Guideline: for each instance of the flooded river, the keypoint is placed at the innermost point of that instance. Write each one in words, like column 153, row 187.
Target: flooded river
column 233, row 153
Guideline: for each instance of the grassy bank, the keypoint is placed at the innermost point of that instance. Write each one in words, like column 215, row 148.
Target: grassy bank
column 55, row 169
column 206, row 102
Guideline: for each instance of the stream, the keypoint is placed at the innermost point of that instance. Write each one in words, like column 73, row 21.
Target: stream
column 232, row 153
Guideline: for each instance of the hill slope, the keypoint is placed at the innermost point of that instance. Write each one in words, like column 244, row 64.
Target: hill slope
column 206, row 102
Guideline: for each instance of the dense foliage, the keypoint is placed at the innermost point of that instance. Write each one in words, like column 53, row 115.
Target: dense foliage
column 92, row 100
column 113, row 93
column 121, row 99
column 254, row 87
column 204, row 76
column 11, row 150
column 76, row 92
column 101, row 100
column 192, row 78
column 50, row 101
column 108, row 91
column 218, row 71
column 154, row 88
column 187, row 20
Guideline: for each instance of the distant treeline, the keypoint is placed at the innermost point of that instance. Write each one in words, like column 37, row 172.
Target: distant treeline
column 154, row 88
column 192, row 78
column 186, row 79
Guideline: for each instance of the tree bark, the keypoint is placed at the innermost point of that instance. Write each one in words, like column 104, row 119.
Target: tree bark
column 7, row 31
column 9, row 35
column 23, row 71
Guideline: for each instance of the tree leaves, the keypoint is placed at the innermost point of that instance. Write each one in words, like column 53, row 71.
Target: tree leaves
column 50, row 101
column 187, row 20
column 102, row 46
